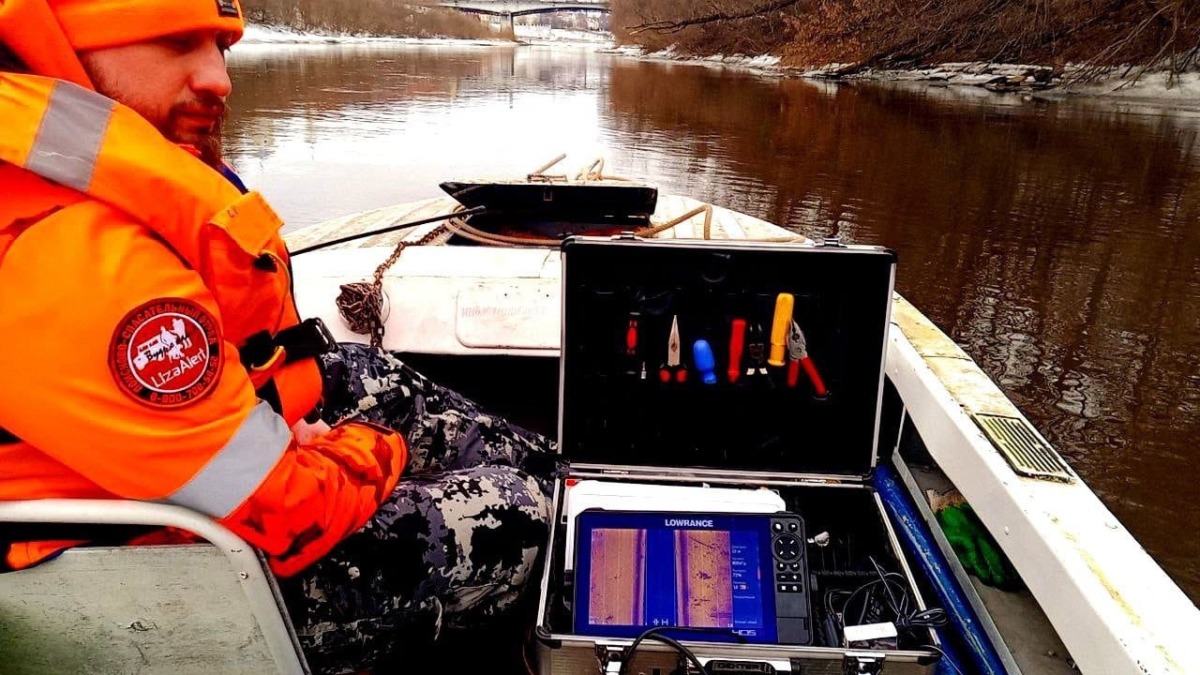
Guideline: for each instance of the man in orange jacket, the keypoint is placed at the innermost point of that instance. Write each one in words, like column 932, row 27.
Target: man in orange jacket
column 151, row 349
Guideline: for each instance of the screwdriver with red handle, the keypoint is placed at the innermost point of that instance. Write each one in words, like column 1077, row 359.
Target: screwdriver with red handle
column 631, row 334
column 737, row 342
column 631, row 344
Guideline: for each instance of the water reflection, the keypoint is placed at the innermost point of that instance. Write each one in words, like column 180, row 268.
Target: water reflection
column 344, row 129
column 1057, row 242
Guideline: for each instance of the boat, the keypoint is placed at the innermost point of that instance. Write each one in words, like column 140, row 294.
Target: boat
column 475, row 303
column 1092, row 598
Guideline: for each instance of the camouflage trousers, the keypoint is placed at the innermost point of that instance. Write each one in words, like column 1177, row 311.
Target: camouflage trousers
column 455, row 545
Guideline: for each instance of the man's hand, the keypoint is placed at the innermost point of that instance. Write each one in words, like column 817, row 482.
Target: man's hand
column 306, row 433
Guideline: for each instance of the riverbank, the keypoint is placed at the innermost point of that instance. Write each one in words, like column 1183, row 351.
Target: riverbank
column 1124, row 82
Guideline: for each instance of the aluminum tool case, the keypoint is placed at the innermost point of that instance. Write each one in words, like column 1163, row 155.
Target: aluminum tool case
column 817, row 452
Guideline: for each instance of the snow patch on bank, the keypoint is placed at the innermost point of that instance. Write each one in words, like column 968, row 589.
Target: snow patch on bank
column 1121, row 83
column 547, row 35
column 763, row 64
column 258, row 34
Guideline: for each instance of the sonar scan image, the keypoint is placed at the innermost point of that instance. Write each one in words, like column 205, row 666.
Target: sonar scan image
column 679, row 578
column 704, row 583
column 617, row 585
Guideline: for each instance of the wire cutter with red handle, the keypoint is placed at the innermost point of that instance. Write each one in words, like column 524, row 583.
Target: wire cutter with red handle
column 672, row 370
column 756, row 353
column 798, row 356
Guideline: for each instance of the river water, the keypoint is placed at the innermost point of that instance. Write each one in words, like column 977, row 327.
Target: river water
column 1057, row 242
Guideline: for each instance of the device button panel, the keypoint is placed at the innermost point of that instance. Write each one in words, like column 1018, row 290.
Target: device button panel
column 787, row 547
column 792, row 604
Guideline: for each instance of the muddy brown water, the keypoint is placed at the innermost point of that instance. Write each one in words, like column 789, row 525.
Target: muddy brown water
column 1057, row 241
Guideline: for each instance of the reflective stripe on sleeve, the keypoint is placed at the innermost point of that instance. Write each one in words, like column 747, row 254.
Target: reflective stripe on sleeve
column 239, row 468
column 68, row 141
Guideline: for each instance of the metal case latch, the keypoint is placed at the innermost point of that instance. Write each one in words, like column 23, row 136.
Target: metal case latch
column 860, row 663
column 609, row 659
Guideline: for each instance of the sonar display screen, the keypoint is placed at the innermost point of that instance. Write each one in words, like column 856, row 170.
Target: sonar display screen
column 672, row 571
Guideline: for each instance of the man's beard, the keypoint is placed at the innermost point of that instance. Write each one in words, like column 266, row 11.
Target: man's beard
column 207, row 142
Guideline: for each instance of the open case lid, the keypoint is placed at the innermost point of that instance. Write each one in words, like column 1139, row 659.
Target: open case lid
column 609, row 415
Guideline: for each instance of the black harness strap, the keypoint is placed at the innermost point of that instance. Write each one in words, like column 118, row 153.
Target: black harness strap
column 308, row 339
column 7, row 437
column 305, row 340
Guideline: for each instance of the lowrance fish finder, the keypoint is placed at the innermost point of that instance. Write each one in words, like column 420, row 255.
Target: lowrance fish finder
column 737, row 577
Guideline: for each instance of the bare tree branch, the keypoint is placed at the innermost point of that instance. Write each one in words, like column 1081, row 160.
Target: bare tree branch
column 676, row 26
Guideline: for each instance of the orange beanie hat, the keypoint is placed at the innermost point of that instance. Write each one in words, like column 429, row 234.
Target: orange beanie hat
column 92, row 24
column 46, row 34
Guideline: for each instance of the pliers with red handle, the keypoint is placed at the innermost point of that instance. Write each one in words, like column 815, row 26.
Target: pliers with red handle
column 798, row 356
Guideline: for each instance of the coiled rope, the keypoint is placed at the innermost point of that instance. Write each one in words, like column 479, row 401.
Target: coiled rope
column 361, row 304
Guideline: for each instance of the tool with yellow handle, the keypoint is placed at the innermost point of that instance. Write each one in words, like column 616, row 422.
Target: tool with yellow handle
column 780, row 327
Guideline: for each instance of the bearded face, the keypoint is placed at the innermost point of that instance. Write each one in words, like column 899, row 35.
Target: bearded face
column 178, row 83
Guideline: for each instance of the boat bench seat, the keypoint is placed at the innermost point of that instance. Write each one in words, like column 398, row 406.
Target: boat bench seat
column 208, row 608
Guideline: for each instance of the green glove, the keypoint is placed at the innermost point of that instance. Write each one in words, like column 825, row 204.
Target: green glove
column 977, row 550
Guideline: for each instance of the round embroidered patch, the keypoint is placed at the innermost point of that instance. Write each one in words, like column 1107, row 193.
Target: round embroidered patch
column 166, row 353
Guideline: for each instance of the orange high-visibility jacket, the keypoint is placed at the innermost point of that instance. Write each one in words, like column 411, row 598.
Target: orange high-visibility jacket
column 131, row 277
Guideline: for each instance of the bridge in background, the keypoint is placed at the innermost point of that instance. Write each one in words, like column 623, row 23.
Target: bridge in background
column 510, row 8
column 507, row 9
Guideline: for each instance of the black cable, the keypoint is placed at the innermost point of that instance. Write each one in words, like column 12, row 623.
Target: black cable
column 895, row 596
column 896, row 610
column 391, row 228
column 934, row 617
column 653, row 634
column 946, row 658
column 926, row 618
column 869, row 588
column 678, row 647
